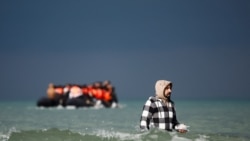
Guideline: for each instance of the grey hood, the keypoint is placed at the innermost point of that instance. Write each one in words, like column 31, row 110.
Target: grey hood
column 160, row 86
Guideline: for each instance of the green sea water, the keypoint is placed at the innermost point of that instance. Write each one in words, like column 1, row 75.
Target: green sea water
column 209, row 120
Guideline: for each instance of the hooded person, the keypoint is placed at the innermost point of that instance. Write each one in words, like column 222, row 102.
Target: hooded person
column 158, row 111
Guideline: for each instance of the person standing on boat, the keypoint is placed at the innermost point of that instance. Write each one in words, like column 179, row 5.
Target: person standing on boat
column 159, row 112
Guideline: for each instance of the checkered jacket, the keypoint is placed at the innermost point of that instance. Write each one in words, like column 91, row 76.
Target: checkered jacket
column 157, row 114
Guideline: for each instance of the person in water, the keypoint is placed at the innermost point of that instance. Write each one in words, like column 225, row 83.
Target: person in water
column 52, row 98
column 159, row 112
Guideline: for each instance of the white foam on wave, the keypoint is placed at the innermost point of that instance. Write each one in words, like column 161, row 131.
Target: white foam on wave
column 116, row 134
column 6, row 136
column 122, row 136
column 141, row 136
column 177, row 138
column 202, row 138
column 70, row 107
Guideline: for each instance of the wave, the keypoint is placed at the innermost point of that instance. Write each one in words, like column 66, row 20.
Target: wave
column 54, row 134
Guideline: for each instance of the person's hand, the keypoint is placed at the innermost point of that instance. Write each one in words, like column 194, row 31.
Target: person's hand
column 182, row 131
column 182, row 128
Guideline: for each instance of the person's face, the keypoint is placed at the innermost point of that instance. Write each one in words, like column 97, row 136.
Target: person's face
column 168, row 90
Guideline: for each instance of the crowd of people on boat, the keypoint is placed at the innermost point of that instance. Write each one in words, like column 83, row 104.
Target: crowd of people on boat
column 97, row 94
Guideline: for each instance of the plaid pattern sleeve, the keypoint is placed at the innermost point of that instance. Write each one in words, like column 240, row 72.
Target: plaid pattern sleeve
column 158, row 114
column 146, row 114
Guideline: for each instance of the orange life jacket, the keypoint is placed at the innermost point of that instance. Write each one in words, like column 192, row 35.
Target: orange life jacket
column 107, row 96
column 59, row 90
column 85, row 90
column 89, row 90
column 97, row 93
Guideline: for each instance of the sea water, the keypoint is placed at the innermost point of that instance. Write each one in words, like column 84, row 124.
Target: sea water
column 209, row 120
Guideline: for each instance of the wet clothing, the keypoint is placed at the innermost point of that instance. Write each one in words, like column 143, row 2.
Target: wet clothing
column 158, row 114
column 159, row 111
